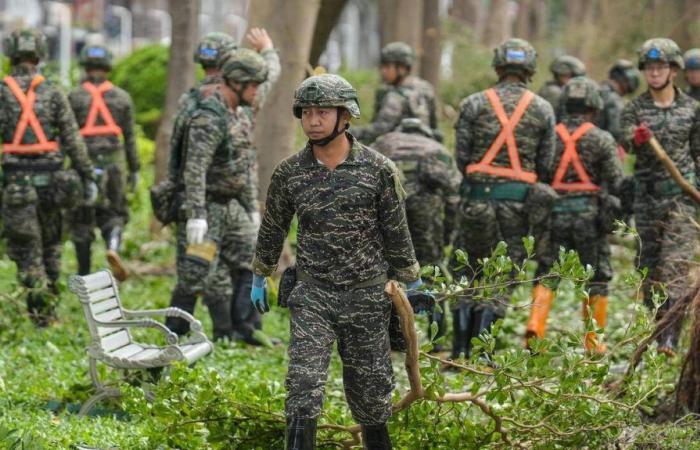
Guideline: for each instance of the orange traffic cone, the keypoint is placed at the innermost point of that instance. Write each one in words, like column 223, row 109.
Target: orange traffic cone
column 542, row 298
column 599, row 306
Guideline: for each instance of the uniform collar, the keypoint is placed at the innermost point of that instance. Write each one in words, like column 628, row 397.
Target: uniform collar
column 354, row 157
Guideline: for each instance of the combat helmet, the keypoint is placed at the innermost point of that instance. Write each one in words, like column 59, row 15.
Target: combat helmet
column 691, row 58
column 327, row 91
column 243, row 66
column 96, row 57
column 516, row 56
column 413, row 125
column 580, row 94
column 567, row 65
column 25, row 43
column 398, row 53
column 624, row 70
column 662, row 50
column 211, row 47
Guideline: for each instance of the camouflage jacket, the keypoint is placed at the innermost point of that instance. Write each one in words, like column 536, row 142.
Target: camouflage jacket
column 216, row 163
column 598, row 153
column 693, row 91
column 414, row 97
column 273, row 73
column 551, row 91
column 56, row 118
column 121, row 107
column 352, row 222
column 677, row 128
column 477, row 128
column 609, row 118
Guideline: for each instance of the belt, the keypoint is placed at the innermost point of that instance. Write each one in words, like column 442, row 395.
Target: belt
column 511, row 190
column 572, row 204
column 379, row 279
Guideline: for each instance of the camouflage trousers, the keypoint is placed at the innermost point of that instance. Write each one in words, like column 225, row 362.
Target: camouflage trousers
column 425, row 223
column 358, row 320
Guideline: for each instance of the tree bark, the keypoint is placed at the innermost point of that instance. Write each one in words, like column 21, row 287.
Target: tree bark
column 430, row 62
column 523, row 20
column 470, row 12
column 328, row 17
column 409, row 26
column 290, row 24
column 498, row 23
column 387, row 20
column 181, row 75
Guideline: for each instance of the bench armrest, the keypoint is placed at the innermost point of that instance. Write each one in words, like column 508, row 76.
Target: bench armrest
column 170, row 337
column 195, row 324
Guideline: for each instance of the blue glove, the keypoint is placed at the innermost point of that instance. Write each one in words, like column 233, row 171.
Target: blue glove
column 421, row 301
column 258, row 295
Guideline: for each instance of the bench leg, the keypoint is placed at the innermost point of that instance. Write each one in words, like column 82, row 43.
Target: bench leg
column 99, row 396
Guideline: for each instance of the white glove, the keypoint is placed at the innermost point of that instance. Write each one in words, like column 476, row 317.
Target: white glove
column 196, row 230
column 90, row 193
column 255, row 217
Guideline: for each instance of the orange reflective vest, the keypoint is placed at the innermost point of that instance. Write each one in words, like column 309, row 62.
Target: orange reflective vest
column 507, row 137
column 99, row 107
column 27, row 117
column 571, row 157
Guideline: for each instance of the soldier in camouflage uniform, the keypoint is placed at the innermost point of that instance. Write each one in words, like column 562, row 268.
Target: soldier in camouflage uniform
column 352, row 231
column 431, row 180
column 217, row 232
column 105, row 114
column 664, row 215
column 587, row 175
column 401, row 95
column 38, row 130
column 505, row 143
column 692, row 72
column 623, row 79
column 563, row 68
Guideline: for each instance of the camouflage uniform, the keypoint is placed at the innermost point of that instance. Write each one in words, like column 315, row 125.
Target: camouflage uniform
column 32, row 218
column 352, row 231
column 626, row 76
column 564, row 65
column 663, row 214
column 692, row 62
column 493, row 207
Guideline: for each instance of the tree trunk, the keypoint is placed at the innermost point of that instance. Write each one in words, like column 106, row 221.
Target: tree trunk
column 430, row 62
column 409, row 26
column 291, row 25
column 328, row 17
column 498, row 23
column 387, row 20
column 471, row 13
column 523, row 20
column 181, row 75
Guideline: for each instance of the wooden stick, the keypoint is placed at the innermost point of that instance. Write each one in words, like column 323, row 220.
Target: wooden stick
column 666, row 161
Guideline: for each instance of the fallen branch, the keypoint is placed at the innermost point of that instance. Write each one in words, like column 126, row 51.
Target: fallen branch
column 671, row 168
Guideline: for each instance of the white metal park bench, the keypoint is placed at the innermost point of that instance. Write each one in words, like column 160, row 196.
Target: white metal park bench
column 111, row 341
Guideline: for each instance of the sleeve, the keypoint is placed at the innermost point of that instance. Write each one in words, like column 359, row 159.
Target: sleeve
column 70, row 139
column 279, row 211
column 547, row 146
column 387, row 118
column 207, row 131
column 628, row 122
column 273, row 73
column 463, row 131
column 610, row 167
column 432, row 104
column 127, row 126
column 613, row 119
column 398, row 248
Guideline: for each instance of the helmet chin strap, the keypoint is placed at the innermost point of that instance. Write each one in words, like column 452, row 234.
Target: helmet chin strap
column 327, row 140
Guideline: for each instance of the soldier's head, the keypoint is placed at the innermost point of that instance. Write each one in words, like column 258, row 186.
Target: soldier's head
column 515, row 57
column 581, row 96
column 691, row 58
column 413, row 125
column 96, row 58
column 396, row 60
column 660, row 59
column 625, row 75
column 243, row 70
column 565, row 67
column 25, row 45
column 325, row 104
column 211, row 48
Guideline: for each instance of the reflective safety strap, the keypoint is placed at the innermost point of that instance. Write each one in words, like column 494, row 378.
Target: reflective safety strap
column 28, row 117
column 98, row 108
column 570, row 157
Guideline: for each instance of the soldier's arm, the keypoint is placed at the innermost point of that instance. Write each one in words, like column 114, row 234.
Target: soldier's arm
column 464, row 137
column 547, row 145
column 613, row 120
column 387, row 118
column 432, row 105
column 398, row 248
column 610, row 166
column 127, row 126
column 71, row 141
column 272, row 60
column 207, row 131
column 628, row 122
column 279, row 211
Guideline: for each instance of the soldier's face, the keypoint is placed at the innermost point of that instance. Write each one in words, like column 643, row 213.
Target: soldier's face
column 658, row 74
column 692, row 76
column 318, row 123
column 249, row 92
column 563, row 79
column 391, row 73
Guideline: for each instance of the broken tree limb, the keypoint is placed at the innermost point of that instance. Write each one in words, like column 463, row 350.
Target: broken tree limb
column 671, row 168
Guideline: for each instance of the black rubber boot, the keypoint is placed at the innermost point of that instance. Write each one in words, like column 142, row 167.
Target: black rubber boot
column 461, row 324
column 301, row 434
column 376, row 437
column 482, row 321
column 82, row 254
column 246, row 321
column 39, row 308
column 186, row 302
column 220, row 312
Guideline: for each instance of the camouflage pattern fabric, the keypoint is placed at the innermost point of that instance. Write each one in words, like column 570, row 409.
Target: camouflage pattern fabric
column 359, row 321
column 662, row 213
column 693, row 91
column 431, row 180
column 352, row 223
column 551, row 91
column 609, row 118
column 414, row 97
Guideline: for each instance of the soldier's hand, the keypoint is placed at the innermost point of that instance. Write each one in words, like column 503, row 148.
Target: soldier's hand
column 132, row 181
column 258, row 294
column 642, row 134
column 90, row 193
column 196, row 230
column 259, row 39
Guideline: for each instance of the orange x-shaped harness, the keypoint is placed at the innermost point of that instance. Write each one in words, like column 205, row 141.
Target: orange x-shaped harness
column 99, row 107
column 507, row 137
column 27, row 117
column 571, row 157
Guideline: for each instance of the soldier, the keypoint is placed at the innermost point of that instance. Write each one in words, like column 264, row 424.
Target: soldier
column 692, row 72
column 352, row 230
column 214, row 234
column 105, row 114
column 563, row 68
column 402, row 95
column 623, row 79
column 431, row 180
column 38, row 130
column 505, row 143
column 663, row 214
column 587, row 173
